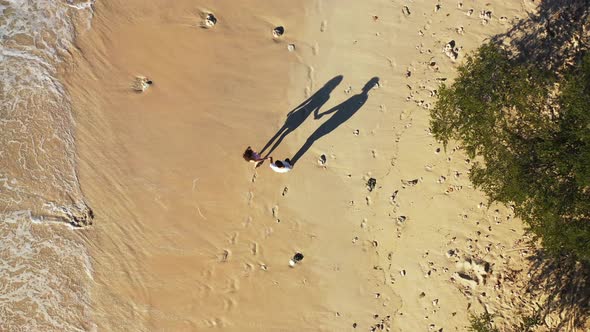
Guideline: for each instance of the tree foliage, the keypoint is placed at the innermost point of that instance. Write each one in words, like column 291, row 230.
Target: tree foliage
column 482, row 323
column 530, row 132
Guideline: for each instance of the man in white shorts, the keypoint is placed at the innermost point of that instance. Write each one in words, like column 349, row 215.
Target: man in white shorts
column 281, row 166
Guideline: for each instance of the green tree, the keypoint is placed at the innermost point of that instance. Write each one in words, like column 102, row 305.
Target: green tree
column 529, row 132
column 482, row 323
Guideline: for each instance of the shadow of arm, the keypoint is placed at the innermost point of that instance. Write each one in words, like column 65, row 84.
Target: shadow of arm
column 317, row 115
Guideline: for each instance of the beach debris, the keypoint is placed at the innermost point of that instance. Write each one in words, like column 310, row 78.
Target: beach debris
column 323, row 159
column 371, row 184
column 356, row 132
column 451, row 51
column 401, row 219
column 209, row 20
column 486, row 14
column 141, row 83
column 278, row 31
column 298, row 257
column 285, row 191
column 291, row 47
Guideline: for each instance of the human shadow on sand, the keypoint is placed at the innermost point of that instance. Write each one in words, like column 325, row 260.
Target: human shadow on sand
column 300, row 113
column 342, row 113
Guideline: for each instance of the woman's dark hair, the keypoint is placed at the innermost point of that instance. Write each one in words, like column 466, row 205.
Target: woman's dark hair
column 248, row 154
column 279, row 164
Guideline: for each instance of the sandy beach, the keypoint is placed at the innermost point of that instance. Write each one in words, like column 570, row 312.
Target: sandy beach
column 187, row 236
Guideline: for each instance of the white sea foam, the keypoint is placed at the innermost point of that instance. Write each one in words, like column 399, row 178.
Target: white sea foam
column 45, row 271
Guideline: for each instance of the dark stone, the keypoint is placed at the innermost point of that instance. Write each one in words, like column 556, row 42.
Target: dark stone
column 298, row 257
column 371, row 184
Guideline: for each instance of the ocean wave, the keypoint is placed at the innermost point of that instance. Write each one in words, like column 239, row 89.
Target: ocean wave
column 45, row 271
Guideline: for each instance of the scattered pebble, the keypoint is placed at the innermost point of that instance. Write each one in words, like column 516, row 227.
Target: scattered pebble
column 371, row 184
column 209, row 21
column 278, row 31
column 298, row 257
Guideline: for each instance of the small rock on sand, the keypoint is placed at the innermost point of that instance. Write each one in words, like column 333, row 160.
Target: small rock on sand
column 371, row 183
column 278, row 31
column 209, row 20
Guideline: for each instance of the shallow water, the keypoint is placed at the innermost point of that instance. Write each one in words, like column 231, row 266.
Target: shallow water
column 44, row 268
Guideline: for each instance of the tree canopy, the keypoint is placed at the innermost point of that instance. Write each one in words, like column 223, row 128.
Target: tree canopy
column 529, row 132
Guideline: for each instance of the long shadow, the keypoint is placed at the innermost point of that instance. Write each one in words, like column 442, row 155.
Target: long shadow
column 565, row 286
column 553, row 37
column 342, row 113
column 300, row 113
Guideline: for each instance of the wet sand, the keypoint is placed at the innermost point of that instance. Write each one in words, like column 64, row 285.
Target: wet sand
column 188, row 236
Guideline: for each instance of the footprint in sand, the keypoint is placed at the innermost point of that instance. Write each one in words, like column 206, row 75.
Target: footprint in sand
column 254, row 248
column 406, row 11
column 208, row 20
column 285, row 191
column 291, row 47
column 409, row 183
column 401, row 220
column 224, row 257
column 393, row 197
column 233, row 239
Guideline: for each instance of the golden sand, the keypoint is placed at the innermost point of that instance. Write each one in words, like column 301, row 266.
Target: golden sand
column 188, row 236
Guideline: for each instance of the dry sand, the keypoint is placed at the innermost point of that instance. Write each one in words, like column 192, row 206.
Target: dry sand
column 189, row 236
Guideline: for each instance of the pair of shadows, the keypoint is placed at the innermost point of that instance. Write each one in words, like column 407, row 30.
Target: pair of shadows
column 341, row 113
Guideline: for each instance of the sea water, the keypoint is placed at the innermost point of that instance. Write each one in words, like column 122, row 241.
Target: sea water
column 45, row 271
